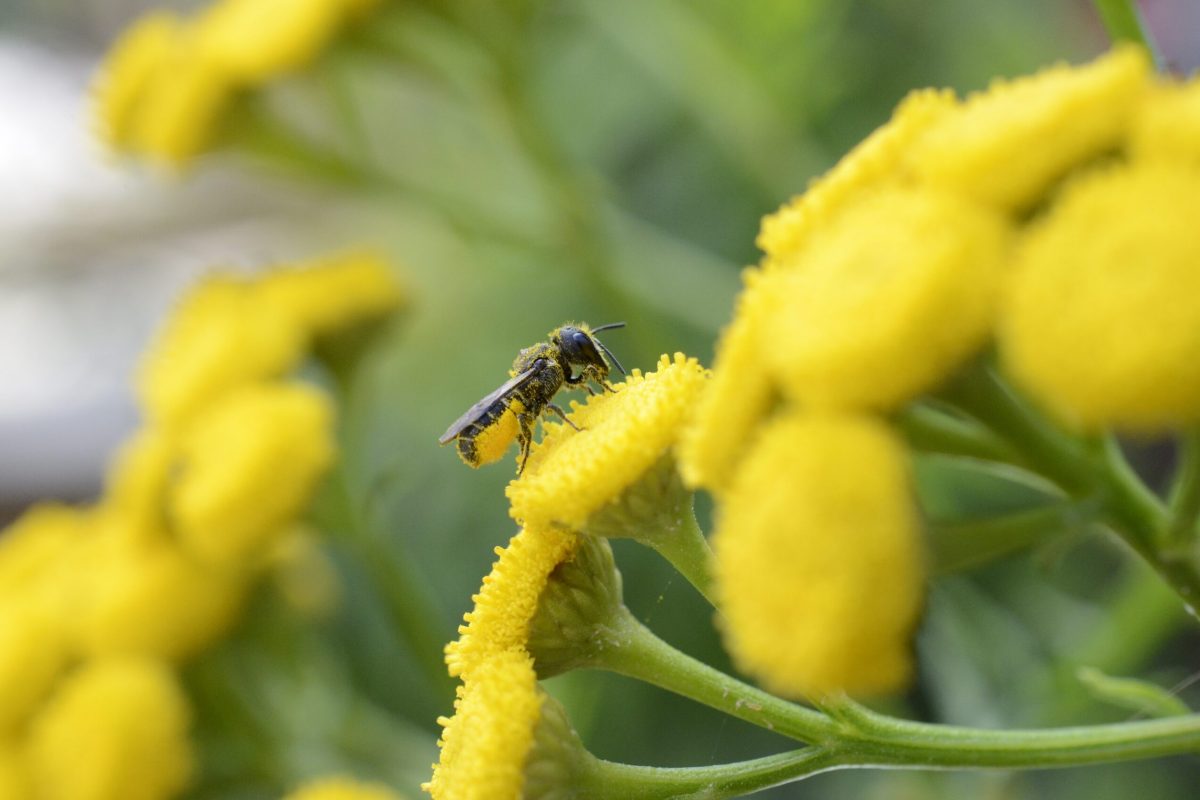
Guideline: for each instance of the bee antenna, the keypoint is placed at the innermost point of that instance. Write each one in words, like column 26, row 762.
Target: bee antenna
column 609, row 326
column 611, row 357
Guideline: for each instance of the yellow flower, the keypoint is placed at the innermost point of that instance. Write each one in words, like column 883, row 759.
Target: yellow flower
column 573, row 474
column 33, row 651
column 817, row 559
column 1008, row 144
column 885, row 302
column 222, row 336
column 14, row 773
column 486, row 743
column 740, row 393
column 876, row 158
column 180, row 108
column 127, row 71
column 340, row 788
column 1102, row 319
column 254, row 41
column 1167, row 125
column 115, row 730
column 333, row 292
column 249, row 465
column 154, row 600
column 34, row 547
column 137, row 483
column 508, row 600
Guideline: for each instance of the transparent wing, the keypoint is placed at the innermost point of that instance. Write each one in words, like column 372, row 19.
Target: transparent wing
column 476, row 411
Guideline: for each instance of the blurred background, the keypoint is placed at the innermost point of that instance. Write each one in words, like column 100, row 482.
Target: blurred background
column 528, row 163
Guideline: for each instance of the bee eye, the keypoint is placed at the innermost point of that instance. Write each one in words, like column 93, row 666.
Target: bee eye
column 581, row 339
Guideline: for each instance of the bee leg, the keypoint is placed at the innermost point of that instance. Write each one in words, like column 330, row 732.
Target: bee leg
column 562, row 414
column 524, row 439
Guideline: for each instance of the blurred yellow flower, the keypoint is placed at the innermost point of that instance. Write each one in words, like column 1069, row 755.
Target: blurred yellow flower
column 249, row 464
column 573, row 474
column 14, row 772
column 33, row 652
column 220, row 337
column 115, row 730
column 333, row 292
column 180, row 107
column 129, row 69
column 254, row 41
column 486, row 743
column 137, row 483
column 733, row 403
column 1102, row 319
column 1007, row 145
column 154, row 600
column 873, row 160
column 1167, row 125
column 34, row 548
column 508, row 600
column 818, row 564
column 885, row 302
column 341, row 788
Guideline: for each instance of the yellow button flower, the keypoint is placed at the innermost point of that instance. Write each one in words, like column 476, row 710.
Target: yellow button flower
column 127, row 70
column 818, row 563
column 873, row 160
column 573, row 474
column 115, row 730
column 1008, row 144
column 333, row 292
column 33, row 651
column 254, row 41
column 1102, row 320
column 339, row 788
column 154, row 600
column 137, row 481
column 249, row 465
column 221, row 336
column 1167, row 125
column 508, row 600
column 180, row 109
column 890, row 298
column 486, row 743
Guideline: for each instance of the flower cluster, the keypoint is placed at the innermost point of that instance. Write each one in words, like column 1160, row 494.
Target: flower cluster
column 100, row 605
column 958, row 223
column 167, row 82
column 492, row 746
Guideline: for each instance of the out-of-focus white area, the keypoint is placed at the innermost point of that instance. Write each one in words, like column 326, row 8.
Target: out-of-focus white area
column 91, row 255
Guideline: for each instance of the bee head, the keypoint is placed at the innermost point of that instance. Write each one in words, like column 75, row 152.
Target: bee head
column 580, row 346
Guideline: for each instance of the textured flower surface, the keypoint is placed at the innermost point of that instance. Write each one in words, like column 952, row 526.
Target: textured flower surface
column 573, row 474
column 486, row 743
column 1103, row 317
column 508, row 600
column 818, row 562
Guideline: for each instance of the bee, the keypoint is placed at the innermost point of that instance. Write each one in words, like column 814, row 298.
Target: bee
column 484, row 433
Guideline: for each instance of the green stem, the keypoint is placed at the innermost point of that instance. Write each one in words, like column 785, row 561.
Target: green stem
column 1184, row 504
column 687, row 550
column 635, row 651
column 603, row 780
column 932, row 431
column 1124, row 21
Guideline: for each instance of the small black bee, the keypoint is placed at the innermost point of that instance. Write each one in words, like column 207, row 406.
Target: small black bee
column 485, row 432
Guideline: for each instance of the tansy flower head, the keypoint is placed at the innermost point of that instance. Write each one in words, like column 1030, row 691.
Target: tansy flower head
column 339, row 788
column 14, row 773
column 137, row 483
column 573, row 474
column 220, row 337
column 884, row 303
column 508, row 600
column 333, row 292
column 1167, row 124
column 121, row 724
column 180, row 108
column 127, row 71
column 874, row 160
column 254, row 41
column 818, row 564
column 248, row 465
column 1006, row 145
column 507, row 739
column 33, row 652
column 1102, row 318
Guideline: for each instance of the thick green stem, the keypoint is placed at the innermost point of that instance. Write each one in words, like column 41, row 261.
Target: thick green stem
column 1125, row 23
column 636, row 652
column 1184, row 504
column 605, row 780
column 688, row 551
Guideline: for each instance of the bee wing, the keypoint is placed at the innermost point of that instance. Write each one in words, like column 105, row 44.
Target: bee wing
column 476, row 411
